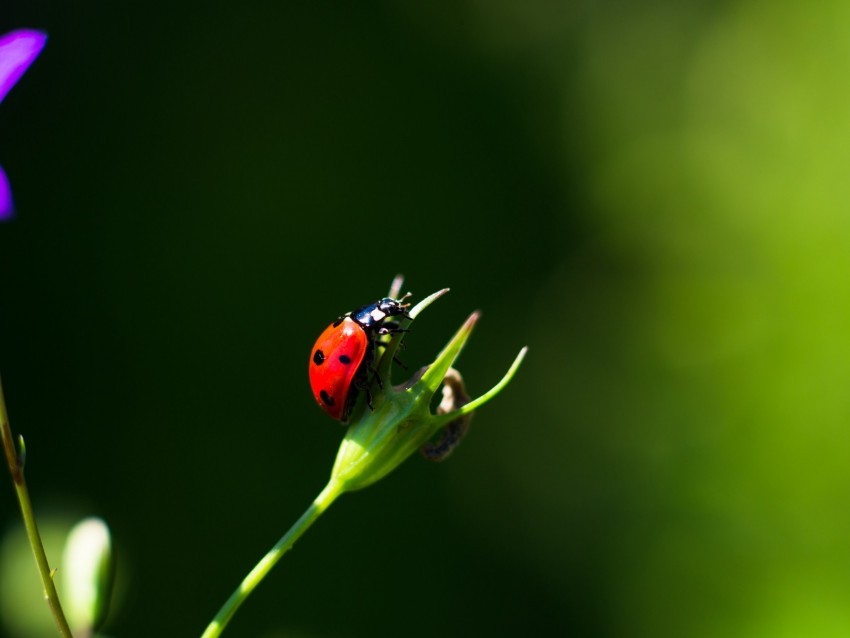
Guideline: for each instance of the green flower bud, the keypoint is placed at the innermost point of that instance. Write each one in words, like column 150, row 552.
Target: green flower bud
column 86, row 574
column 401, row 421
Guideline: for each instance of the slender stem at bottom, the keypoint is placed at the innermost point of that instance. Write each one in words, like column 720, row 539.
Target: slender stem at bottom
column 261, row 569
column 16, row 467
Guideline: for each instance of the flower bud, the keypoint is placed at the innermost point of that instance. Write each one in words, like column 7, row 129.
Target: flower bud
column 86, row 574
column 401, row 422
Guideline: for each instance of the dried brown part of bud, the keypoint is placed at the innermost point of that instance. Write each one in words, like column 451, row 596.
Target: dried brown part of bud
column 454, row 398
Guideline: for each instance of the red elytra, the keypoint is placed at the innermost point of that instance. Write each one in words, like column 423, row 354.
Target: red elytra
column 337, row 356
column 344, row 351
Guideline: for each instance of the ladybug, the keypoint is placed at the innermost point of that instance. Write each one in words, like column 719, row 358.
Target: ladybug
column 343, row 354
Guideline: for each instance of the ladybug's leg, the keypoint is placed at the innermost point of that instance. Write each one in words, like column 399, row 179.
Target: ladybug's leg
column 383, row 330
column 368, row 360
column 377, row 378
column 390, row 327
column 363, row 386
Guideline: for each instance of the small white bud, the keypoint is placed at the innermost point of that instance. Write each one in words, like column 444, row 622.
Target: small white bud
column 86, row 574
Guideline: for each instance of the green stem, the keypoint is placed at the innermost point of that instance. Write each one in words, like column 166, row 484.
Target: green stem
column 16, row 467
column 256, row 575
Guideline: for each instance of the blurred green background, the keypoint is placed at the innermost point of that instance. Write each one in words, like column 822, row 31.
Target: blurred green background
column 653, row 196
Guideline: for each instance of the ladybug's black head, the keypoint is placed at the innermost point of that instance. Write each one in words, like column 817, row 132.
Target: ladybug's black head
column 371, row 316
column 392, row 307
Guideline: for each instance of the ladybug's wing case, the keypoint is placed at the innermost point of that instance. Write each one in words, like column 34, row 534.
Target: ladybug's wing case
column 336, row 358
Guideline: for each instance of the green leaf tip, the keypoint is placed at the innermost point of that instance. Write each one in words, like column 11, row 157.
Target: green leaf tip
column 477, row 403
column 414, row 312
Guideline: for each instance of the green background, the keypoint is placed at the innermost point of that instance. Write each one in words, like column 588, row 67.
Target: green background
column 652, row 196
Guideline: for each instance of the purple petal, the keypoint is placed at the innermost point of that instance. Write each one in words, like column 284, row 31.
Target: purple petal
column 6, row 208
column 18, row 49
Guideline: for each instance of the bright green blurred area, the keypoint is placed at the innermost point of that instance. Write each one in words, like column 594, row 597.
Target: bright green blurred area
column 653, row 196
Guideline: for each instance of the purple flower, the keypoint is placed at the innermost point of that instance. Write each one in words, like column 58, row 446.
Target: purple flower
column 18, row 49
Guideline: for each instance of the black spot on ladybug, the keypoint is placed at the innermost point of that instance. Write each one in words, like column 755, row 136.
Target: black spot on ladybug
column 319, row 357
column 326, row 398
column 338, row 321
column 344, row 358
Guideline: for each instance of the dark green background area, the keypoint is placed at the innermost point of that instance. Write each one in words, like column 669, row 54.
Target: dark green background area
column 651, row 196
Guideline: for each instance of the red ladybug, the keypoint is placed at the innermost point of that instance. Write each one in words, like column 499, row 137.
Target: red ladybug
column 343, row 354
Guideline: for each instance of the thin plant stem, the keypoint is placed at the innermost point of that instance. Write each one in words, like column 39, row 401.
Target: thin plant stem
column 261, row 569
column 15, row 461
